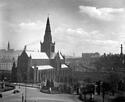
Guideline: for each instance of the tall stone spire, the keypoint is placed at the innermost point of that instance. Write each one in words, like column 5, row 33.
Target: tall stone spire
column 122, row 55
column 48, row 46
column 121, row 50
column 48, row 36
column 8, row 46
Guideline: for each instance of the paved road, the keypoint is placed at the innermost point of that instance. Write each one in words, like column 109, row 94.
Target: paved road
column 34, row 95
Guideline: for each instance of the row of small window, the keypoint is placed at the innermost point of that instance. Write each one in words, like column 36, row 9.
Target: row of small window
column 5, row 65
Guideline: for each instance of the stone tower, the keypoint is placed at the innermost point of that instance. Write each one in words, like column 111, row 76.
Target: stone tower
column 8, row 46
column 48, row 46
column 122, row 55
column 121, row 50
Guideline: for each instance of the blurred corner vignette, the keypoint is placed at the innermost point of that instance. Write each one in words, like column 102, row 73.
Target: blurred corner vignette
column 62, row 51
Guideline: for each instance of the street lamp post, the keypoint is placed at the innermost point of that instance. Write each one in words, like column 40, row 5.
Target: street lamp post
column 25, row 89
column 22, row 98
column 25, row 92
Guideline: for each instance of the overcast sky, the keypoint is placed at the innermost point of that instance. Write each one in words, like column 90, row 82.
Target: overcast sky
column 77, row 25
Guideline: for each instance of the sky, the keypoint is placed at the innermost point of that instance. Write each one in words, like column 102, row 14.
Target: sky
column 77, row 26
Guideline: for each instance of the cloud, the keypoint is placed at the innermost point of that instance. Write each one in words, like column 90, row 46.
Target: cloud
column 77, row 40
column 77, row 31
column 31, row 25
column 30, row 33
column 31, row 29
column 107, row 14
column 3, row 4
column 81, row 33
column 103, row 42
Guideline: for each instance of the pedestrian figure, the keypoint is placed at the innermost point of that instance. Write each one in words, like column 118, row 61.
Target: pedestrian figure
column 50, row 90
column 95, row 90
column 22, row 98
column 84, row 92
column 91, row 97
column 103, row 95
column 98, row 87
column 103, row 91
column 1, row 95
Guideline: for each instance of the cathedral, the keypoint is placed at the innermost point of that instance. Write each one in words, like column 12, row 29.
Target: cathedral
column 44, row 65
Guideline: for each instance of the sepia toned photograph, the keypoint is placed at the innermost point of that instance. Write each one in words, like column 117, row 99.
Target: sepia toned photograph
column 62, row 50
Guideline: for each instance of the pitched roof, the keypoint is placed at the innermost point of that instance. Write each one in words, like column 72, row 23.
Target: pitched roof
column 53, row 55
column 43, row 67
column 60, row 55
column 64, row 66
column 37, row 55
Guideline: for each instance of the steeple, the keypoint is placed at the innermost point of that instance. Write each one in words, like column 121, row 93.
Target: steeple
column 48, row 46
column 121, row 50
column 121, row 55
column 47, row 36
column 25, row 48
column 8, row 46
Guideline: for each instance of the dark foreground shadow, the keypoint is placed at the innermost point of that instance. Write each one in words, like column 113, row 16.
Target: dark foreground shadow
column 119, row 99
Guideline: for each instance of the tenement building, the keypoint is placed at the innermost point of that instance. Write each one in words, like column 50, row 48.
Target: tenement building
column 7, row 57
column 44, row 65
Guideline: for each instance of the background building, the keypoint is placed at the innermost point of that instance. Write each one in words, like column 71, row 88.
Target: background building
column 85, row 63
column 7, row 58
